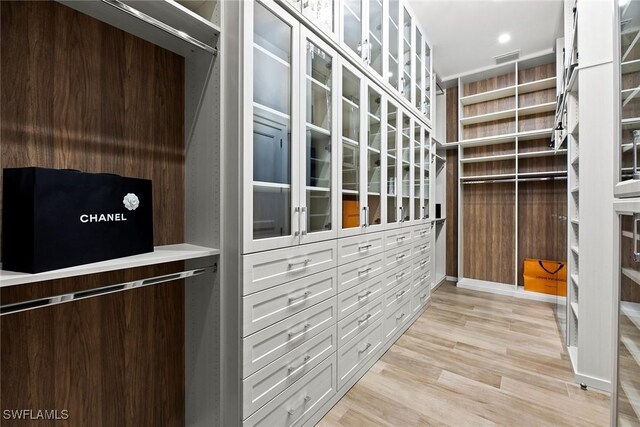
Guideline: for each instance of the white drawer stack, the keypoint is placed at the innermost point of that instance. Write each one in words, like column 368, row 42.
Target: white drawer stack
column 317, row 316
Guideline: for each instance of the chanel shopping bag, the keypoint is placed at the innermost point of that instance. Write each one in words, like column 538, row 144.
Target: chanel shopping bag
column 54, row 218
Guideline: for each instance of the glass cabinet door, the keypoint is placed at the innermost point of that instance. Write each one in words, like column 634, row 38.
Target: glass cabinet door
column 352, row 26
column 426, row 103
column 405, row 79
column 319, row 209
column 419, row 76
column 426, row 170
column 629, row 14
column 405, row 169
column 273, row 197
column 416, row 176
column 393, row 162
column 351, row 119
column 373, row 216
column 393, row 73
column 375, row 37
column 320, row 12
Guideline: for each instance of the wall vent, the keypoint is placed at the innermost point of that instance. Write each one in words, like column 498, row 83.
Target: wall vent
column 507, row 57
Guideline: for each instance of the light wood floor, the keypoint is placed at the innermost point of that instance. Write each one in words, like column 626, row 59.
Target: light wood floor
column 473, row 359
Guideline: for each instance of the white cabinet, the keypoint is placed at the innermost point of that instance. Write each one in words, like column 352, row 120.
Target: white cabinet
column 362, row 32
column 322, row 13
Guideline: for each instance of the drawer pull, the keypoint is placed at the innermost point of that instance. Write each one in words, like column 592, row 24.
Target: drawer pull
column 303, row 296
column 367, row 317
column 423, row 278
column 365, row 348
column 399, row 316
column 423, row 263
column 399, row 275
column 399, row 294
column 304, row 362
column 363, row 247
column 293, row 410
column 423, row 232
column 304, row 261
column 423, row 296
column 400, row 238
column 424, row 248
column 400, row 257
column 365, row 295
column 300, row 332
column 365, row 271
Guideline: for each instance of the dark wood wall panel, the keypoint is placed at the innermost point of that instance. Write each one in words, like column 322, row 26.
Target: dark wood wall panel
column 80, row 94
column 490, row 84
column 489, row 168
column 489, row 227
column 536, row 121
column 489, row 150
column 487, row 107
column 451, row 118
column 540, row 144
column 536, row 98
column 543, row 164
column 496, row 127
column 452, row 212
column 542, row 231
column 538, row 72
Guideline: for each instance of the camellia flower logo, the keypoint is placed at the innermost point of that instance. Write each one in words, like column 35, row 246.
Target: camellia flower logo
column 131, row 201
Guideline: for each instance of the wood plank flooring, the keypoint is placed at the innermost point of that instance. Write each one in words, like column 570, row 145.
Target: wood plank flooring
column 473, row 359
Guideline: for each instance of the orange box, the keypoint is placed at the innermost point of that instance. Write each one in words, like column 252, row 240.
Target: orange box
column 350, row 213
column 547, row 277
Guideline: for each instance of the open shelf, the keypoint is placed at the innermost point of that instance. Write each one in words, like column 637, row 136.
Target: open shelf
column 543, row 153
column 541, row 174
column 575, row 250
column 481, row 177
column 574, row 308
column 574, row 278
column 572, row 86
column 537, row 109
column 160, row 255
column 495, row 158
column 630, row 66
column 488, row 96
column 537, row 85
column 489, row 117
column 632, row 274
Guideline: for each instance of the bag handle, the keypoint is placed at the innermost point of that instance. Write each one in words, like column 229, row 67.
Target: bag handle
column 560, row 265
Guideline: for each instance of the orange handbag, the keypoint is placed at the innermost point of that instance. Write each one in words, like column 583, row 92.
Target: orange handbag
column 548, row 277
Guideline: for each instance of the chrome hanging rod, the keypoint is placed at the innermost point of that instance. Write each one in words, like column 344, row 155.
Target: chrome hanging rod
column 100, row 291
column 161, row 25
column 497, row 181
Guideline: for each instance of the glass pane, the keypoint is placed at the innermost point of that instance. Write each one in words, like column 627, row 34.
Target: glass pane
column 373, row 186
column 406, row 48
column 392, row 135
column 394, row 36
column 350, row 149
column 628, row 330
column 426, row 107
column 320, row 12
column 373, row 119
column 375, row 35
column 419, row 69
column 630, row 86
column 271, row 125
column 425, row 175
column 318, row 133
column 352, row 24
column 417, row 162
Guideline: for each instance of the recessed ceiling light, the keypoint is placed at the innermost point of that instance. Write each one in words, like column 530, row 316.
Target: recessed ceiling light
column 504, row 38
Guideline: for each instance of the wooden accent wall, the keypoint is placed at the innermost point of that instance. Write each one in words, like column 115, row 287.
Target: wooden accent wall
column 489, row 227
column 451, row 118
column 452, row 212
column 80, row 94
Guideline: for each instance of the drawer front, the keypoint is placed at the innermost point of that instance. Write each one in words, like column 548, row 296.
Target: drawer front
column 393, row 278
column 299, row 402
column 421, row 233
column 357, row 297
column 422, row 265
column 357, row 351
column 357, row 322
column 358, row 247
column 267, row 383
column 398, row 257
column 394, row 319
column 269, row 344
column 397, row 296
column 397, row 238
column 264, row 308
column 423, row 279
column 266, row 269
column 422, row 248
column 419, row 298
column 352, row 274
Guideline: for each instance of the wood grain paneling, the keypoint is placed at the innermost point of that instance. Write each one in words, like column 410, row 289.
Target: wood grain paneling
column 452, row 114
column 536, row 98
column 492, row 83
column 542, row 231
column 538, row 72
column 489, row 168
column 543, row 164
column 489, row 227
column 452, row 213
column 507, row 103
column 489, row 150
column 533, row 122
column 629, row 290
column 80, row 94
column 540, row 144
column 496, row 127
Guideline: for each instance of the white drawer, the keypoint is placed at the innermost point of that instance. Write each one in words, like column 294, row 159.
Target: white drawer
column 397, row 238
column 394, row 277
column 397, row 296
column 422, row 265
column 358, row 247
column 265, row 346
column 398, row 257
column 268, row 382
column 356, row 352
column 394, row 319
column 264, row 308
column 352, row 274
column 419, row 298
column 421, row 233
column 423, row 279
column 296, row 404
column 422, row 248
column 359, row 296
column 357, row 322
column 263, row 270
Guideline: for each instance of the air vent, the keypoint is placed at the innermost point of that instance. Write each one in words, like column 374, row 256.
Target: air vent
column 507, row 57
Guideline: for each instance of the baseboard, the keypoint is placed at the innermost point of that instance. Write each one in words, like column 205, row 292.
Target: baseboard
column 503, row 289
column 593, row 382
column 451, row 278
column 436, row 285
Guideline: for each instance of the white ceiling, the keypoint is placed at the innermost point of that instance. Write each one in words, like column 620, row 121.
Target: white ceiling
column 464, row 33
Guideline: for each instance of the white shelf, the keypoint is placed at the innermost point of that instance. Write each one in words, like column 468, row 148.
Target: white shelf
column 488, row 158
column 541, row 174
column 627, row 123
column 575, row 221
column 482, row 177
column 506, row 138
column 573, row 357
column 574, row 278
column 572, row 86
column 630, row 66
column 535, row 134
column 633, row 396
column 631, row 311
column 543, row 153
column 488, row 96
column 537, row 85
column 160, row 255
column 632, row 274
column 631, row 346
column 575, row 160
column 574, row 308
column 537, row 109
column 575, row 250
column 575, row 189
column 489, row 117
